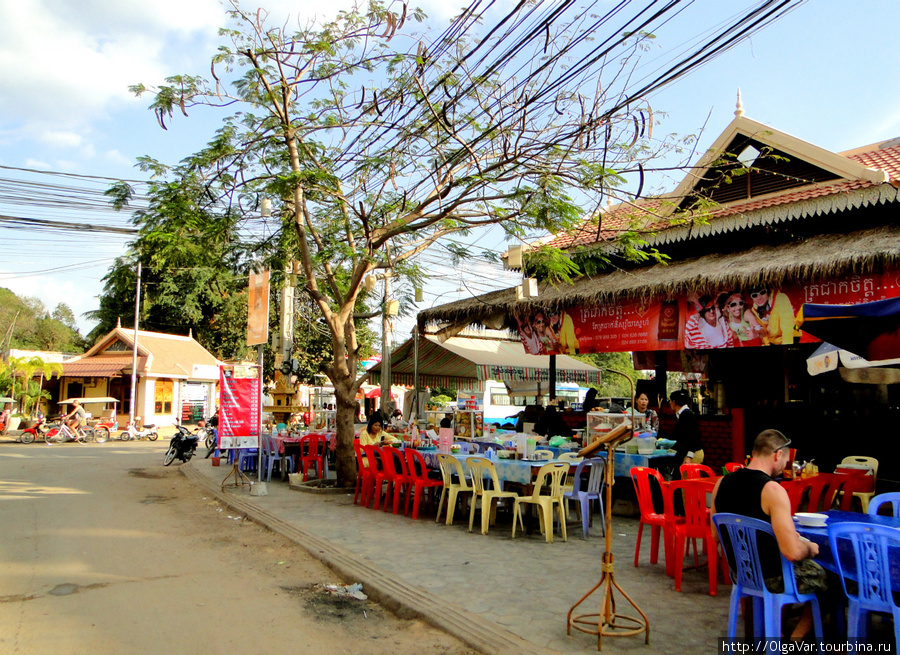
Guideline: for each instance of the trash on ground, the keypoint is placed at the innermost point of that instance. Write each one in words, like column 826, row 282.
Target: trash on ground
column 352, row 590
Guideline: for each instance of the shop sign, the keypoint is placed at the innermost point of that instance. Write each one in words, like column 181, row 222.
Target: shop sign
column 719, row 318
column 239, row 407
column 526, row 374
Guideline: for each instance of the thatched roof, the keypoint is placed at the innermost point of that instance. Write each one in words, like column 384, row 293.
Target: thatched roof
column 805, row 261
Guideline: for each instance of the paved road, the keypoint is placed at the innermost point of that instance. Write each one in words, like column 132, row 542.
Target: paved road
column 104, row 551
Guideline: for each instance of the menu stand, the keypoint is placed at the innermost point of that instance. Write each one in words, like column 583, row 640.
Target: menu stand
column 607, row 622
column 240, row 480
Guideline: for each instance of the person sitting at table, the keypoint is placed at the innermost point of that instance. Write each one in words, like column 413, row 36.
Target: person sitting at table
column 551, row 424
column 753, row 492
column 373, row 434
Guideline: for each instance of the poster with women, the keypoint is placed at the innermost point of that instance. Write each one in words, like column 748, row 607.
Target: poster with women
column 760, row 315
column 239, row 406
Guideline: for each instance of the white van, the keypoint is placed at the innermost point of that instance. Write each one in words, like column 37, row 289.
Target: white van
column 501, row 404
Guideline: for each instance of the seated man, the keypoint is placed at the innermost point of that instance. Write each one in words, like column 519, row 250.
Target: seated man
column 753, row 492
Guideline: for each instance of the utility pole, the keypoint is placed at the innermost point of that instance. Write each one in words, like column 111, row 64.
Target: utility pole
column 134, row 346
column 386, row 346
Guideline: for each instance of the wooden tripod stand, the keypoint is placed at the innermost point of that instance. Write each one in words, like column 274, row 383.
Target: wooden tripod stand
column 607, row 622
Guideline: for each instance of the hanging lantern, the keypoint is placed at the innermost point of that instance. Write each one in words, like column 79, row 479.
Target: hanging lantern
column 369, row 283
column 265, row 207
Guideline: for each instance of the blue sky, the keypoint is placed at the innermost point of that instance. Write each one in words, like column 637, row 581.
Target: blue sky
column 823, row 74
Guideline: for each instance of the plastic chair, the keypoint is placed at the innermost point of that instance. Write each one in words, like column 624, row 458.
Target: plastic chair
column 744, row 561
column 270, row 456
column 542, row 455
column 247, row 458
column 575, row 458
column 312, row 452
column 865, row 497
column 374, row 477
column 556, row 471
column 362, row 471
column 489, row 497
column 418, row 471
column 731, row 467
column 695, row 471
column 395, row 476
column 641, row 477
column 450, row 466
column 869, row 571
column 884, row 499
column 596, row 478
column 696, row 526
column 822, row 490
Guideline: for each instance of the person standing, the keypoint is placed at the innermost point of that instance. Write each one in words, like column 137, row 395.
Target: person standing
column 753, row 492
column 688, row 447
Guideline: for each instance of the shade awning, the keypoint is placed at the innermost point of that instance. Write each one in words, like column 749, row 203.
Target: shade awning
column 870, row 329
column 464, row 362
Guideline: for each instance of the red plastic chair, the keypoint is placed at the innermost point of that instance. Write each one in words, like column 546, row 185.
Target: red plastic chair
column 362, row 472
column 731, row 467
column 418, row 471
column 375, row 477
column 696, row 525
column 795, row 490
column 695, row 471
column 641, row 477
column 822, row 490
column 395, row 476
column 312, row 452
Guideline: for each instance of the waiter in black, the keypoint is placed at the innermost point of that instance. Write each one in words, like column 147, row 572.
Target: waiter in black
column 688, row 449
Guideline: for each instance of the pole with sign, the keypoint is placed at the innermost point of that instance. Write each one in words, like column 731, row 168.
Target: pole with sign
column 241, row 387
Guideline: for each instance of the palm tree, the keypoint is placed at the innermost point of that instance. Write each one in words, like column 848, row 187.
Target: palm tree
column 26, row 368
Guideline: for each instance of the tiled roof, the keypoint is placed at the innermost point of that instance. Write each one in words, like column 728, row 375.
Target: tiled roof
column 102, row 366
column 160, row 355
column 641, row 217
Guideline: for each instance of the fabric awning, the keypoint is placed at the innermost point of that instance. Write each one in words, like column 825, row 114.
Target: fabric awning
column 464, row 362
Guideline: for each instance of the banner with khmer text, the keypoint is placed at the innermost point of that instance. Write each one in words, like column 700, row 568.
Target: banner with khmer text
column 239, row 407
column 718, row 318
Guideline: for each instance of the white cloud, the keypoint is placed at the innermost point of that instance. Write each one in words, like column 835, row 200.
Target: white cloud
column 53, row 290
column 117, row 157
column 62, row 139
column 35, row 163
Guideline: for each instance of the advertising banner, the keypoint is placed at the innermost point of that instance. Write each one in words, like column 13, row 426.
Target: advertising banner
column 258, row 309
column 719, row 318
column 239, row 406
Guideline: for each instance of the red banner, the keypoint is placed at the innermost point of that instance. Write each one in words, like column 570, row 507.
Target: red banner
column 720, row 318
column 239, row 406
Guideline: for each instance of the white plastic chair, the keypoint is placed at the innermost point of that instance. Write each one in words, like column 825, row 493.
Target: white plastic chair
column 872, row 463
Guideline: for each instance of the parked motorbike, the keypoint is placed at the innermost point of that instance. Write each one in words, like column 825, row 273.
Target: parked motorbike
column 182, row 446
column 210, row 434
column 132, row 433
column 34, row 432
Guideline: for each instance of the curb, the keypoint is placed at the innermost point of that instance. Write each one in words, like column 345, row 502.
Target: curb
column 407, row 601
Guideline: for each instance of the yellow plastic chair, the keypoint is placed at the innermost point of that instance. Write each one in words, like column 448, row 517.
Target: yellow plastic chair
column 489, row 497
column 542, row 455
column 872, row 463
column 556, row 472
column 450, row 466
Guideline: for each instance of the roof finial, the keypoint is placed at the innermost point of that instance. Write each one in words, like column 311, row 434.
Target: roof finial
column 119, row 322
column 739, row 109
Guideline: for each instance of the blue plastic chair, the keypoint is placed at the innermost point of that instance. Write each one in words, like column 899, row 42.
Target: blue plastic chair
column 882, row 499
column 746, row 572
column 868, row 570
column 594, row 490
column 270, row 456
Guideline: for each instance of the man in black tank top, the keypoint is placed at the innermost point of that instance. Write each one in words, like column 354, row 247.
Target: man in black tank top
column 753, row 492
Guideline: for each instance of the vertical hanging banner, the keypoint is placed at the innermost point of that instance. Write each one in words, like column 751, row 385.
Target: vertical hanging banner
column 239, row 406
column 258, row 309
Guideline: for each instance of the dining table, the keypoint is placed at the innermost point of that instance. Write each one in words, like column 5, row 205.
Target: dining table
column 819, row 535
column 288, row 444
column 519, row 471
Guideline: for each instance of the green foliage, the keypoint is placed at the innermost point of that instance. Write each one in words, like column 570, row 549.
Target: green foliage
column 613, row 385
column 34, row 328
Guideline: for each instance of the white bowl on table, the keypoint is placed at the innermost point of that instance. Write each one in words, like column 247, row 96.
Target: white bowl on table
column 811, row 519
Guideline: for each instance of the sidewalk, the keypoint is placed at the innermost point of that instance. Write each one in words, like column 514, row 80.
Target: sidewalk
column 497, row 594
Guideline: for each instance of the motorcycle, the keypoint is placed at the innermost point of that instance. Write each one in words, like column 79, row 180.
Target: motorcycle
column 35, row 431
column 132, row 433
column 182, row 446
column 210, row 434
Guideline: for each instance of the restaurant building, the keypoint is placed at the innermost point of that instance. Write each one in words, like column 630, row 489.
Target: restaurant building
column 176, row 376
column 761, row 225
